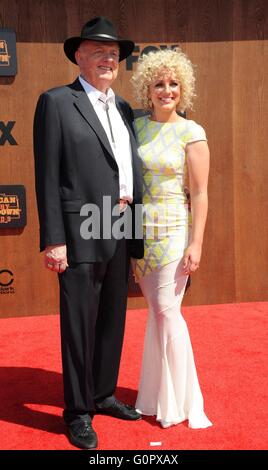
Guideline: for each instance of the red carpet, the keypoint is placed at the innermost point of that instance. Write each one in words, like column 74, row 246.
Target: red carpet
column 231, row 353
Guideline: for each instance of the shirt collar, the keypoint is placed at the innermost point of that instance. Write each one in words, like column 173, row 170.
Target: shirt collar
column 95, row 94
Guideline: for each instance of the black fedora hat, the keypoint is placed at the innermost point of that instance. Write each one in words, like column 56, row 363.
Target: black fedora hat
column 98, row 29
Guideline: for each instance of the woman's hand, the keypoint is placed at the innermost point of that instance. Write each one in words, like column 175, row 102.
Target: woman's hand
column 191, row 259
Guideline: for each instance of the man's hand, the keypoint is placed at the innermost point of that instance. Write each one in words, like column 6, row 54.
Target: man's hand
column 122, row 205
column 56, row 258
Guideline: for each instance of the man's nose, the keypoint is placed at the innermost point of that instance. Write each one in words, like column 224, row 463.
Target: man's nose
column 109, row 56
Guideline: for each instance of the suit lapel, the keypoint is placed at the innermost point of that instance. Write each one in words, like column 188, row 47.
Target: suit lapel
column 136, row 161
column 117, row 102
column 85, row 107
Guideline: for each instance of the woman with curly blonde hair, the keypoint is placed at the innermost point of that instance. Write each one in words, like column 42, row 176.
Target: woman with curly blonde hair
column 171, row 148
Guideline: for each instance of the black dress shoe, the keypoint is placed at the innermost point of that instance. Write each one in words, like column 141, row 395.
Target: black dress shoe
column 118, row 410
column 82, row 435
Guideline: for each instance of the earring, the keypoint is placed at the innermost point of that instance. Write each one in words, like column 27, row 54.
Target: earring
column 150, row 104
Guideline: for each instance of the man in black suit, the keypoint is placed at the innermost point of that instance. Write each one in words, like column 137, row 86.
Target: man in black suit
column 86, row 158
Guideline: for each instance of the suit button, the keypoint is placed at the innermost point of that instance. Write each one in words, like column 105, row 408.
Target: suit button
column 116, row 176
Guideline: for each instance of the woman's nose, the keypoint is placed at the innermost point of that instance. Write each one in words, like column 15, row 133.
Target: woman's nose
column 167, row 89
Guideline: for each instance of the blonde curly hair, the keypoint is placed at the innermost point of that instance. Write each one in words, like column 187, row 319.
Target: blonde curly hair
column 152, row 65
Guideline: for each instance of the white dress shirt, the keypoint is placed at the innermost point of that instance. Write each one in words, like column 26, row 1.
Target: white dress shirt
column 121, row 147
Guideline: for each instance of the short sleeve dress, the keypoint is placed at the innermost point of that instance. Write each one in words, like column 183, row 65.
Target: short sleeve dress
column 166, row 218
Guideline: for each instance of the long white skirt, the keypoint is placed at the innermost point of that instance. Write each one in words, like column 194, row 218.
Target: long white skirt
column 169, row 385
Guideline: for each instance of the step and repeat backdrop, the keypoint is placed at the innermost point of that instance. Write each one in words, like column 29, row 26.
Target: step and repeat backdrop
column 227, row 41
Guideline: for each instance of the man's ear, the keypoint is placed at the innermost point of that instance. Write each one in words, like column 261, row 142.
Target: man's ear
column 77, row 56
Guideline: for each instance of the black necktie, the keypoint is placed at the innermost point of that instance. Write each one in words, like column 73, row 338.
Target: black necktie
column 106, row 107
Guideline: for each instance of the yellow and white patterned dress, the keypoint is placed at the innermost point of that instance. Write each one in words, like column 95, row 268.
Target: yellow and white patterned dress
column 169, row 386
column 166, row 218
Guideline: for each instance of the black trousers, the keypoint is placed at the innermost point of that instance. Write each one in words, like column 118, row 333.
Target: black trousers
column 93, row 298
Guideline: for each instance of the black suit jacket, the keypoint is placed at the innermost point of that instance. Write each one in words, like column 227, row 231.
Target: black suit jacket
column 75, row 165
